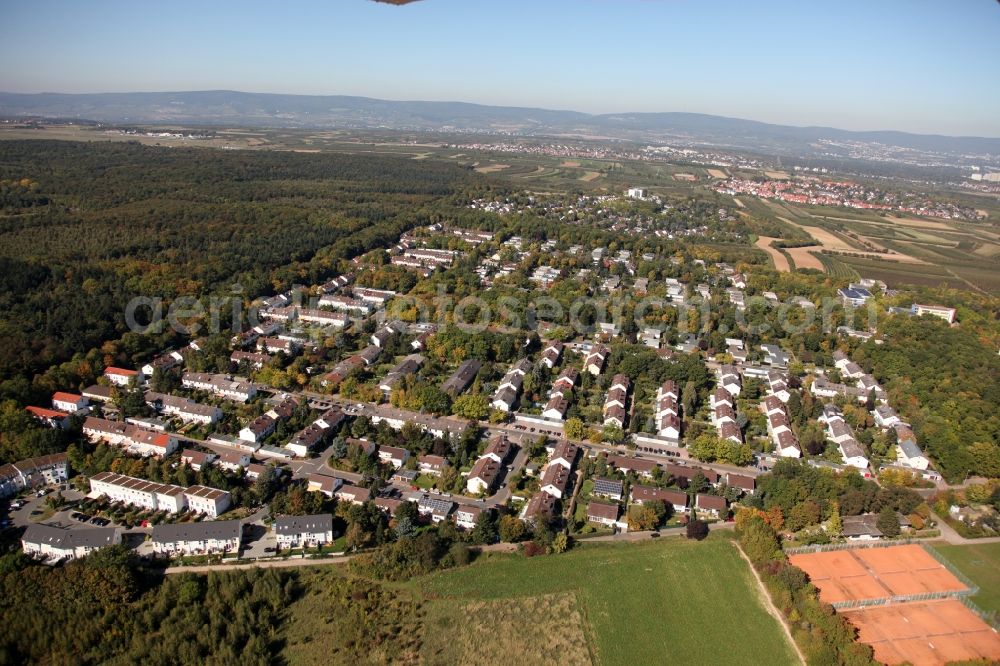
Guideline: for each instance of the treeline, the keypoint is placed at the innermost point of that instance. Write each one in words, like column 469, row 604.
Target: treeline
column 824, row 636
column 796, row 495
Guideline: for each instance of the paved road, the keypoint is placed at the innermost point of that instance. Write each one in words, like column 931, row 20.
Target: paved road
column 646, row 535
column 949, row 534
column 306, row 562
column 269, row 564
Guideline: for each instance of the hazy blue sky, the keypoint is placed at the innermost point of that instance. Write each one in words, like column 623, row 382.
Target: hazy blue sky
column 917, row 65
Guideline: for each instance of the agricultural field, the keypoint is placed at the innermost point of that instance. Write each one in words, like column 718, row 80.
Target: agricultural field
column 780, row 260
column 900, row 251
column 622, row 599
column 806, row 257
column 981, row 564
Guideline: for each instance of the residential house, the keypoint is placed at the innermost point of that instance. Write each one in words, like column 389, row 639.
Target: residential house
column 204, row 538
column 436, row 508
column 57, row 543
column 555, row 480
column 69, row 403
column 393, row 455
column 886, row 417
column 603, row 513
column 610, row 488
column 564, row 453
column 853, row 453
column 353, row 494
column 626, row 464
column 729, row 379
column 197, row 460
column 541, row 506
column 774, row 356
column 466, row 515
column 551, row 354
column 747, row 484
column 689, row 472
column 234, row 461
column 139, row 492
column 322, row 483
column 380, row 337
column 50, row 417
column 499, row 449
column 323, row 317
column 304, row 531
column 98, row 393
column 123, row 376
column 462, row 377
column 504, row 398
column 259, row 429
column 594, row 361
column 711, row 504
column 135, row 439
column 483, row 476
column 908, row 453
column 210, row 502
column 407, row 366
column 564, row 383
column 672, row 498
column 185, row 409
column 432, row 465
column 221, row 385
column 256, row 360
column 307, row 439
column 555, row 408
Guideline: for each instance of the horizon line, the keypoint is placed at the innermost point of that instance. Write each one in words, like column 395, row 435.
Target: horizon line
column 505, row 106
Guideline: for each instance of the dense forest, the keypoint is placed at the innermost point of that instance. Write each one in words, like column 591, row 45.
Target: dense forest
column 103, row 609
column 946, row 382
column 84, row 228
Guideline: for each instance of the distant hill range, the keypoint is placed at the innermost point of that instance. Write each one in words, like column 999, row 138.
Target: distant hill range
column 228, row 108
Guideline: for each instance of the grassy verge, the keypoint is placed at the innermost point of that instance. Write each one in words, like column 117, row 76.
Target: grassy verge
column 981, row 563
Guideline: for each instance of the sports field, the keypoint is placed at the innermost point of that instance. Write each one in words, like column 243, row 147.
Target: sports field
column 929, row 633
column 875, row 573
column 665, row 601
column 981, row 563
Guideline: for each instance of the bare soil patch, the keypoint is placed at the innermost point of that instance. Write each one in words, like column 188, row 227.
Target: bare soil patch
column 780, row 261
column 804, row 257
column 492, row 168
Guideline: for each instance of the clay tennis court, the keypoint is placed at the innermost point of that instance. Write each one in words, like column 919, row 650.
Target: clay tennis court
column 925, row 632
column 875, row 573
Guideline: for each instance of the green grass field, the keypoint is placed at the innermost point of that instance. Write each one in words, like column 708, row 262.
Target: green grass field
column 665, row 601
column 981, row 563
